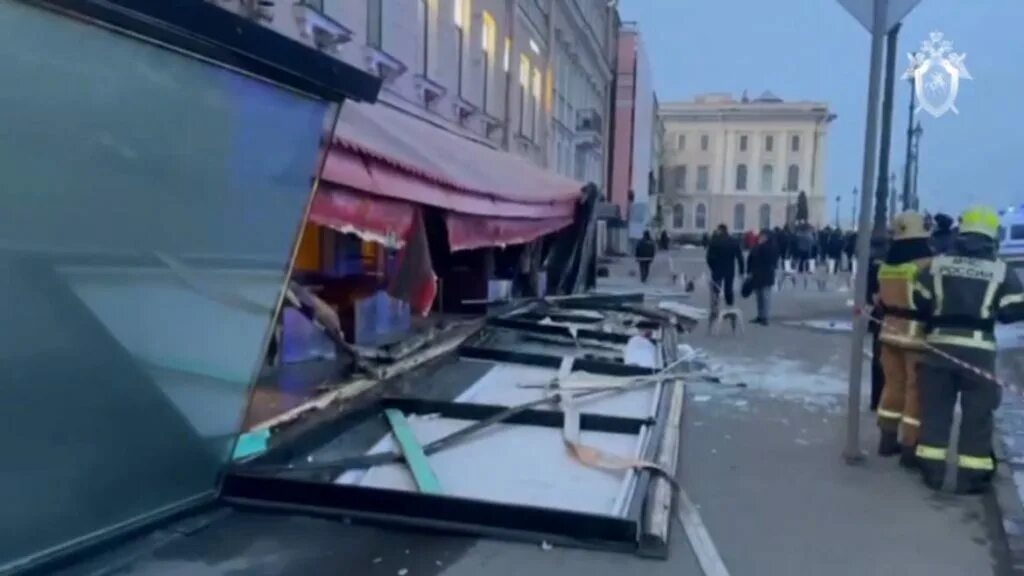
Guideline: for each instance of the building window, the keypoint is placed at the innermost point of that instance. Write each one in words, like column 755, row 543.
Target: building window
column 681, row 142
column 427, row 30
column 794, row 143
column 741, row 176
column 793, row 177
column 489, row 41
column 700, row 220
column 375, row 23
column 507, row 60
column 678, row 216
column 767, row 175
column 769, row 143
column 705, row 142
column 524, row 91
column 702, row 178
column 739, row 217
column 461, row 16
column 679, row 175
column 536, row 111
column 765, row 219
column 743, row 143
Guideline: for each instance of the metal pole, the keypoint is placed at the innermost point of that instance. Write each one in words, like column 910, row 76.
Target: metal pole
column 852, row 452
column 917, row 159
column 839, row 203
column 910, row 139
column 892, row 196
column 853, row 211
column 882, row 187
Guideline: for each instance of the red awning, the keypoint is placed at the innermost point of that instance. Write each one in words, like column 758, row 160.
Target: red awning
column 370, row 217
column 386, row 152
column 467, row 232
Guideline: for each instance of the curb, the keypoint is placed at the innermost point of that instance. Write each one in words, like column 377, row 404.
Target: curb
column 1011, row 509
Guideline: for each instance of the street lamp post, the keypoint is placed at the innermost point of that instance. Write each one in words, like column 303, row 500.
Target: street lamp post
column 892, row 196
column 853, row 209
column 907, row 198
column 917, row 132
column 839, row 201
column 882, row 189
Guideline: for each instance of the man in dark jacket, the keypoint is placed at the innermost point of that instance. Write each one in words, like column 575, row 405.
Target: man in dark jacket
column 761, row 263
column 724, row 256
column 943, row 237
column 850, row 248
column 645, row 250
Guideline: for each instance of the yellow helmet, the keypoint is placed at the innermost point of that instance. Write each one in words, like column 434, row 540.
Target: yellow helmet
column 908, row 226
column 980, row 220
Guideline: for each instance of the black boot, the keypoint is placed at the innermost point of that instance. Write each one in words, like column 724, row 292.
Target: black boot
column 888, row 444
column 933, row 473
column 973, row 482
column 908, row 457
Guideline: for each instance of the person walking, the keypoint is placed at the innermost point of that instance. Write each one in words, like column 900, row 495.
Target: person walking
column 761, row 264
column 724, row 256
column 964, row 294
column 850, row 249
column 901, row 337
column 803, row 242
column 645, row 251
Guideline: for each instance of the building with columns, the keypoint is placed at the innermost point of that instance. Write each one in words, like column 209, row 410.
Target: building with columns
column 742, row 163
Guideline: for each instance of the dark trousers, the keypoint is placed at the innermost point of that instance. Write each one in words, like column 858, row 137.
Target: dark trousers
column 803, row 262
column 877, row 372
column 645, row 269
column 723, row 283
column 941, row 385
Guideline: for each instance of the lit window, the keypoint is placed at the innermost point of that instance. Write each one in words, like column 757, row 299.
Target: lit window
column 489, row 39
column 460, row 13
column 508, row 54
column 524, row 92
column 536, row 103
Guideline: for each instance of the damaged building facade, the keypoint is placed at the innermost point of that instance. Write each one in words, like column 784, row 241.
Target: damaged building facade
column 517, row 86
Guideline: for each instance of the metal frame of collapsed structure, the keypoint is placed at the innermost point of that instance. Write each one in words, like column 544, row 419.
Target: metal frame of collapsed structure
column 281, row 479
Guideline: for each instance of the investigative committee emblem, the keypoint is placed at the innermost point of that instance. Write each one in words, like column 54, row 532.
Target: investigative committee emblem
column 937, row 72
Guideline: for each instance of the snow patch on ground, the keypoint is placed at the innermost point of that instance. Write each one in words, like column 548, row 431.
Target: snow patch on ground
column 783, row 378
column 1009, row 336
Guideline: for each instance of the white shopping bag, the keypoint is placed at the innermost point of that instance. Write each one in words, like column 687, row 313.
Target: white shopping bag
column 788, row 266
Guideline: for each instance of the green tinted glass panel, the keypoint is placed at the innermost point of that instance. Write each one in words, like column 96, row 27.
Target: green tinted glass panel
column 149, row 203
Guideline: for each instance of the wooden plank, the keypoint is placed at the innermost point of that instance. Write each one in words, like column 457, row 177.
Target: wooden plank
column 417, row 461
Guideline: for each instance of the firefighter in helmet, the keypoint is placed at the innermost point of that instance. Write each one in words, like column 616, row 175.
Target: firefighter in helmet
column 964, row 292
column 901, row 336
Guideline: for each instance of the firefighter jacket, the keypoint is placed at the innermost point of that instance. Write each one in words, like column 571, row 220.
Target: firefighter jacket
column 903, row 324
column 965, row 293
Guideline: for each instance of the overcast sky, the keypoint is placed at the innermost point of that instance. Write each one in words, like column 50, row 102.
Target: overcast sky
column 813, row 50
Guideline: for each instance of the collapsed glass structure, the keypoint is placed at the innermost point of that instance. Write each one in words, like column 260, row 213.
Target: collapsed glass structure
column 154, row 182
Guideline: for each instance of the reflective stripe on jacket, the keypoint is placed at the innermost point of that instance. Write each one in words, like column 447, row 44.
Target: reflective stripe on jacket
column 966, row 296
column 902, row 323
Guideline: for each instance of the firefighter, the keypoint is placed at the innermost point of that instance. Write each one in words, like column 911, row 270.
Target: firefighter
column 964, row 292
column 901, row 337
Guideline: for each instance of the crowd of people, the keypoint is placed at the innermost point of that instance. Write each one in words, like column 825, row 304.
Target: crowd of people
column 936, row 290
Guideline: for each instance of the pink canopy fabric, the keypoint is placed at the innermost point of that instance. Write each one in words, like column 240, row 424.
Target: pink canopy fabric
column 387, row 152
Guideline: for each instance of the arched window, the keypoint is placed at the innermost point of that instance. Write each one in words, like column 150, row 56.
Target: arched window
column 793, row 177
column 701, row 219
column 767, row 176
column 678, row 216
column 765, row 219
column 739, row 218
column 741, row 176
